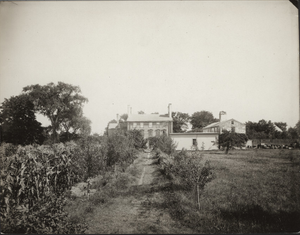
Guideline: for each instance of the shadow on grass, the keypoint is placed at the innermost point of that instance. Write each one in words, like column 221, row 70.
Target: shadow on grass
column 263, row 221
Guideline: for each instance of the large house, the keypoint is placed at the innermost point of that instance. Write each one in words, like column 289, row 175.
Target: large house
column 151, row 124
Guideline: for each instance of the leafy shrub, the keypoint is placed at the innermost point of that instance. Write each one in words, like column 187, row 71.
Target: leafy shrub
column 191, row 172
column 120, row 150
column 163, row 142
column 136, row 137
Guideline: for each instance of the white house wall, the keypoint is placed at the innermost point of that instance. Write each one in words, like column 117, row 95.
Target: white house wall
column 185, row 140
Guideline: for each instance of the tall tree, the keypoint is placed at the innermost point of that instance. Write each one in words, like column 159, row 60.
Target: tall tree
column 18, row 121
column 57, row 102
column 180, row 121
column 202, row 119
column 76, row 126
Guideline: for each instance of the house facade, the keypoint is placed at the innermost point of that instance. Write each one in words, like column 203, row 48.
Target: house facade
column 231, row 125
column 151, row 124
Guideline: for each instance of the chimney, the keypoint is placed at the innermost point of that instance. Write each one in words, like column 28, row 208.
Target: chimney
column 117, row 119
column 224, row 116
column 170, row 110
column 130, row 110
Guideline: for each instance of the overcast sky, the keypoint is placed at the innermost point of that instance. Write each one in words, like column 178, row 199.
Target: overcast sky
column 236, row 56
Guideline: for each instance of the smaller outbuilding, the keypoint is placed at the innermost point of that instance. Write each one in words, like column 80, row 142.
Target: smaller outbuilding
column 231, row 125
column 194, row 140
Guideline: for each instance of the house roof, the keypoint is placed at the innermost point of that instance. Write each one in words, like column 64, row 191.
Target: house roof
column 193, row 133
column 216, row 124
column 277, row 128
column 112, row 125
column 148, row 118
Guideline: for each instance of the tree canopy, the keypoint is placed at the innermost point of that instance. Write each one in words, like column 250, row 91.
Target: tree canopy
column 180, row 121
column 60, row 103
column 202, row 119
column 266, row 130
column 18, row 121
column 230, row 139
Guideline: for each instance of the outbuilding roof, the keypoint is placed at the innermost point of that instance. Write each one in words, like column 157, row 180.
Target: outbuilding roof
column 216, row 124
column 112, row 125
column 148, row 118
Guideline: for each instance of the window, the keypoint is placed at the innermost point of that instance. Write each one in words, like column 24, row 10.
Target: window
column 157, row 124
column 194, row 142
column 157, row 132
column 142, row 125
column 150, row 133
column 233, row 129
column 150, row 124
column 134, row 124
column 232, row 122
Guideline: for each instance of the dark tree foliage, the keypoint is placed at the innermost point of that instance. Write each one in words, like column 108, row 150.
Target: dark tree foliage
column 124, row 117
column 202, row 119
column 292, row 133
column 18, row 122
column 266, row 130
column 136, row 137
column 180, row 121
column 231, row 139
column 57, row 102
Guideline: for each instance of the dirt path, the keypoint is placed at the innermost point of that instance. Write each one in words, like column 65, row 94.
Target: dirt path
column 137, row 212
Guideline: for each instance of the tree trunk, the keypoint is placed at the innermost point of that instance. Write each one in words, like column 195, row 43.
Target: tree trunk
column 198, row 196
column 227, row 148
column 55, row 136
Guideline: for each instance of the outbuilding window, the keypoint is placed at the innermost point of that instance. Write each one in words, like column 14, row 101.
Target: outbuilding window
column 195, row 142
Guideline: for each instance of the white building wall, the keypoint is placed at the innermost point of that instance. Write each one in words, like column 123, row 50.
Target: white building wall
column 185, row 140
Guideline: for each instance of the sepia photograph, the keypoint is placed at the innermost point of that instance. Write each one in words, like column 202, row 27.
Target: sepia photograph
column 161, row 117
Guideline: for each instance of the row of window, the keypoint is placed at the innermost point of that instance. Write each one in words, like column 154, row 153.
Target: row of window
column 157, row 133
column 149, row 124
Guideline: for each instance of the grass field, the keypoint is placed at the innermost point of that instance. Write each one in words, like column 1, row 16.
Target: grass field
column 253, row 191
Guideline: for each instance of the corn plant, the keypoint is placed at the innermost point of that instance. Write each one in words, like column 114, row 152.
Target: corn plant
column 32, row 187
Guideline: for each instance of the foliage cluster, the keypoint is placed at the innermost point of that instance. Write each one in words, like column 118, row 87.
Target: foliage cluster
column 231, row 139
column 266, row 130
column 18, row 121
column 189, row 171
column 163, row 142
column 33, row 183
column 61, row 104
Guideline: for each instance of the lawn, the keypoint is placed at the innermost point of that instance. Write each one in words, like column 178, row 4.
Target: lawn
column 253, row 191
